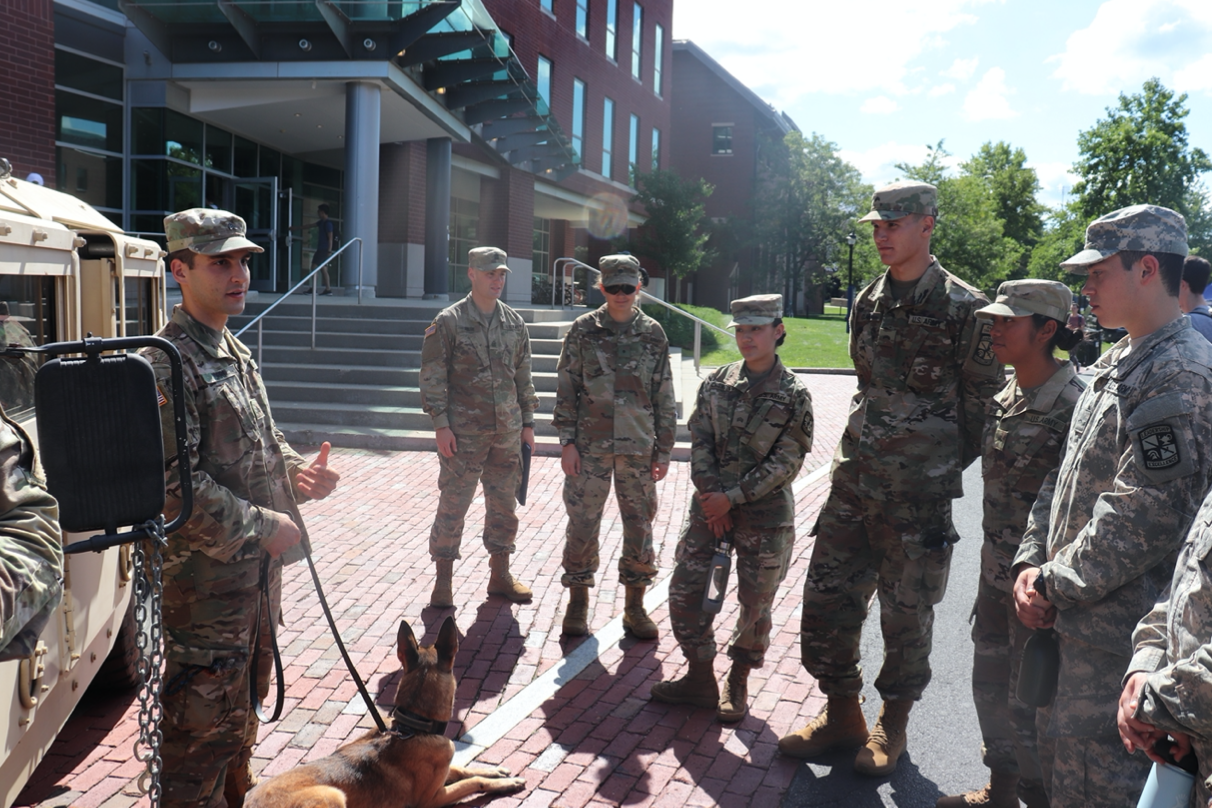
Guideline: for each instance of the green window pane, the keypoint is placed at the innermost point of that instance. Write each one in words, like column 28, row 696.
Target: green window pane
column 218, row 149
column 148, row 125
column 182, row 137
column 93, row 178
column 245, row 158
column 88, row 122
column 89, row 75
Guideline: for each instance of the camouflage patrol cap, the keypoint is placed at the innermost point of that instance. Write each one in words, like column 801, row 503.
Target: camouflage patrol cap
column 1139, row 228
column 1027, row 297
column 756, row 310
column 617, row 269
column 207, row 231
column 901, row 199
column 486, row 259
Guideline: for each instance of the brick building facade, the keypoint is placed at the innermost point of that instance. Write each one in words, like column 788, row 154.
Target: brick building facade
column 27, row 74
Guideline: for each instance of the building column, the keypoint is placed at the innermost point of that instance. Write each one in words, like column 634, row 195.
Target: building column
column 362, row 114
column 437, row 218
column 507, row 221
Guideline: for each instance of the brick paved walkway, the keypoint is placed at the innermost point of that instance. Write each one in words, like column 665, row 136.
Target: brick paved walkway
column 597, row 740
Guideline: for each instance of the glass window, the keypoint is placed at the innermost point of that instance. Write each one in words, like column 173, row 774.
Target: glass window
column 721, row 139
column 658, row 57
column 583, row 19
column 182, row 138
column 140, row 302
column 637, row 39
column 165, row 185
column 93, row 178
column 607, row 136
column 218, row 149
column 633, row 142
column 612, row 26
column 270, row 163
column 27, row 317
column 547, row 6
column 578, row 118
column 81, row 73
column 543, row 80
column 148, row 125
column 88, row 122
column 541, row 248
column 245, row 158
column 656, row 149
column 464, row 224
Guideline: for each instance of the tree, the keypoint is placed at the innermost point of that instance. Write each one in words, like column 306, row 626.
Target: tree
column 676, row 231
column 1014, row 187
column 1139, row 154
column 1063, row 238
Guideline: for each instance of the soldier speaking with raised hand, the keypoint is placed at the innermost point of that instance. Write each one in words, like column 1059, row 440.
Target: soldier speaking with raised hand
column 926, row 371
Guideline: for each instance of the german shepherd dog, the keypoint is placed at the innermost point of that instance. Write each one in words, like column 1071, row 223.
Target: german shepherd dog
column 409, row 765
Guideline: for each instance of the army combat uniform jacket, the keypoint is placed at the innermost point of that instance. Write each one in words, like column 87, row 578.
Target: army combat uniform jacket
column 925, row 369
column 475, row 371
column 615, row 391
column 1108, row 522
column 31, row 553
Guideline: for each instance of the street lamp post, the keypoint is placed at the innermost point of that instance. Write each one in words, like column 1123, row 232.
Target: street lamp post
column 851, row 239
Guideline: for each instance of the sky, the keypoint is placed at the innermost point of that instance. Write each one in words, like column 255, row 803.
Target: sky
column 883, row 80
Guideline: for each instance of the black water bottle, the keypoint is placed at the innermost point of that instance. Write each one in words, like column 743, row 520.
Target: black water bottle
column 717, row 579
column 1039, row 669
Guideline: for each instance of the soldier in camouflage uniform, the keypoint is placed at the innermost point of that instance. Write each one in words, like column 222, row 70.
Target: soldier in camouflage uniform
column 616, row 415
column 31, row 552
column 1104, row 533
column 751, row 428
column 926, row 371
column 475, row 384
column 247, row 483
column 1026, row 427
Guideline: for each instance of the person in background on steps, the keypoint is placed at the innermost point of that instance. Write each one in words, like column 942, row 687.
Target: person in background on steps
column 475, row 384
column 1026, row 428
column 751, row 428
column 617, row 417
column 1196, row 271
column 325, row 244
column 926, row 370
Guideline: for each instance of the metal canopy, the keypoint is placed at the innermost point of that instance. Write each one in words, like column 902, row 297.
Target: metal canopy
column 450, row 48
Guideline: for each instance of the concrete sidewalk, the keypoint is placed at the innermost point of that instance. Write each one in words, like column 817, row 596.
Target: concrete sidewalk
column 572, row 718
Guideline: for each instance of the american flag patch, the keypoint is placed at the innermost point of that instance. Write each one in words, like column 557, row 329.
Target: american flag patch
column 160, row 399
column 433, row 327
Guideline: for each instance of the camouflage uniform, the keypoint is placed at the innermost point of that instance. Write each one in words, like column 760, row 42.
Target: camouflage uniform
column 615, row 403
column 749, row 437
column 925, row 374
column 475, row 379
column 31, row 554
column 1107, row 526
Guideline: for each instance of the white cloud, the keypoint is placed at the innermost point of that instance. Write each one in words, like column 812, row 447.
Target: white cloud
column 1055, row 182
column 1128, row 41
column 879, row 105
column 961, row 69
column 942, row 89
column 878, row 164
column 987, row 100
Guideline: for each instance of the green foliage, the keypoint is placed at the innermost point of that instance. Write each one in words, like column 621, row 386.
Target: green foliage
column 680, row 330
column 1064, row 237
column 812, row 342
column 1004, row 170
column 675, row 233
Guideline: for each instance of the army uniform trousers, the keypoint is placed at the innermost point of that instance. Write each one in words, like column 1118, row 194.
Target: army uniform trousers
column 900, row 549
column 209, row 725
column 762, row 555
column 585, row 499
column 1007, row 725
column 497, row 461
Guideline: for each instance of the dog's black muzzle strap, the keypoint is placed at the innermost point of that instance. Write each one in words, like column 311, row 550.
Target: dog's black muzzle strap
column 406, row 724
column 264, row 603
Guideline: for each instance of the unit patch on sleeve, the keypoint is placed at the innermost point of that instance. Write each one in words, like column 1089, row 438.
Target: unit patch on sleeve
column 982, row 354
column 1159, row 447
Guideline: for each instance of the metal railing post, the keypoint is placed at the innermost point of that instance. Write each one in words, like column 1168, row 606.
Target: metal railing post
column 698, row 344
column 313, row 315
column 359, row 271
column 260, row 328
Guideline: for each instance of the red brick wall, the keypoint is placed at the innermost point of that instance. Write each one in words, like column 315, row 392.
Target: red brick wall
column 27, row 87
column 402, row 199
column 507, row 212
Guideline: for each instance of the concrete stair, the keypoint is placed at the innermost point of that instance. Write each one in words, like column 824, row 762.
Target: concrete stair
column 358, row 387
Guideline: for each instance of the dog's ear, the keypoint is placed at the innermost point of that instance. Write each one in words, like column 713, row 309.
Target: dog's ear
column 447, row 645
column 406, row 644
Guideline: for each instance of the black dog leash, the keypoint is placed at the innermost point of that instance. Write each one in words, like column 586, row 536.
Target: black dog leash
column 332, row 624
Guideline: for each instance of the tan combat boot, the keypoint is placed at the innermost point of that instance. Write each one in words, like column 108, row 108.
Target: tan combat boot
column 734, row 701
column 442, row 597
column 697, row 687
column 1002, row 792
column 502, row 583
column 840, row 725
column 887, row 742
column 636, row 621
column 576, row 616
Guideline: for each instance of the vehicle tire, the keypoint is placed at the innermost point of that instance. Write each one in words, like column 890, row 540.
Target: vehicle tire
column 120, row 670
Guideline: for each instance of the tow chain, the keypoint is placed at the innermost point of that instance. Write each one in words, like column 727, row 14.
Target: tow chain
column 149, row 639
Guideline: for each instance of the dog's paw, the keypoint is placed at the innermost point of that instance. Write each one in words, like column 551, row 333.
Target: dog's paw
column 497, row 771
column 512, row 785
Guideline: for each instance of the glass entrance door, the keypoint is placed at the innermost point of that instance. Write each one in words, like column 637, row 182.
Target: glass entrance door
column 257, row 203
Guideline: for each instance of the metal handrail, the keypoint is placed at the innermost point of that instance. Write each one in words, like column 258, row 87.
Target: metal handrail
column 561, row 272
column 259, row 320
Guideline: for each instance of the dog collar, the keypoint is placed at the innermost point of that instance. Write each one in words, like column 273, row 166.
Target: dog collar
column 406, row 724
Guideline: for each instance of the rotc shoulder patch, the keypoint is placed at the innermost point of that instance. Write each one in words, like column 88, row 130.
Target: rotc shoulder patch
column 1159, row 429
column 983, row 354
column 1159, row 447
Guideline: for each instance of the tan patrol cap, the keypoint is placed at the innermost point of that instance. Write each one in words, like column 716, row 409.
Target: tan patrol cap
column 486, row 259
column 1139, row 228
column 756, row 310
column 901, row 199
column 1027, row 297
column 207, row 231
column 619, row 269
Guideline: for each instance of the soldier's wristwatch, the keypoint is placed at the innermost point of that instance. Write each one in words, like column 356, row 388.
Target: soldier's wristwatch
column 567, row 441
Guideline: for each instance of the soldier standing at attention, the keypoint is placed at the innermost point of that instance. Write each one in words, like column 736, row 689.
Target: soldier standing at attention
column 1105, row 532
column 616, row 415
column 475, row 384
column 247, row 482
column 751, row 427
column 926, row 371
column 1024, row 433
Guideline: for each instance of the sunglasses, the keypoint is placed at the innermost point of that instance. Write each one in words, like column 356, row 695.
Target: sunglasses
column 620, row 289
